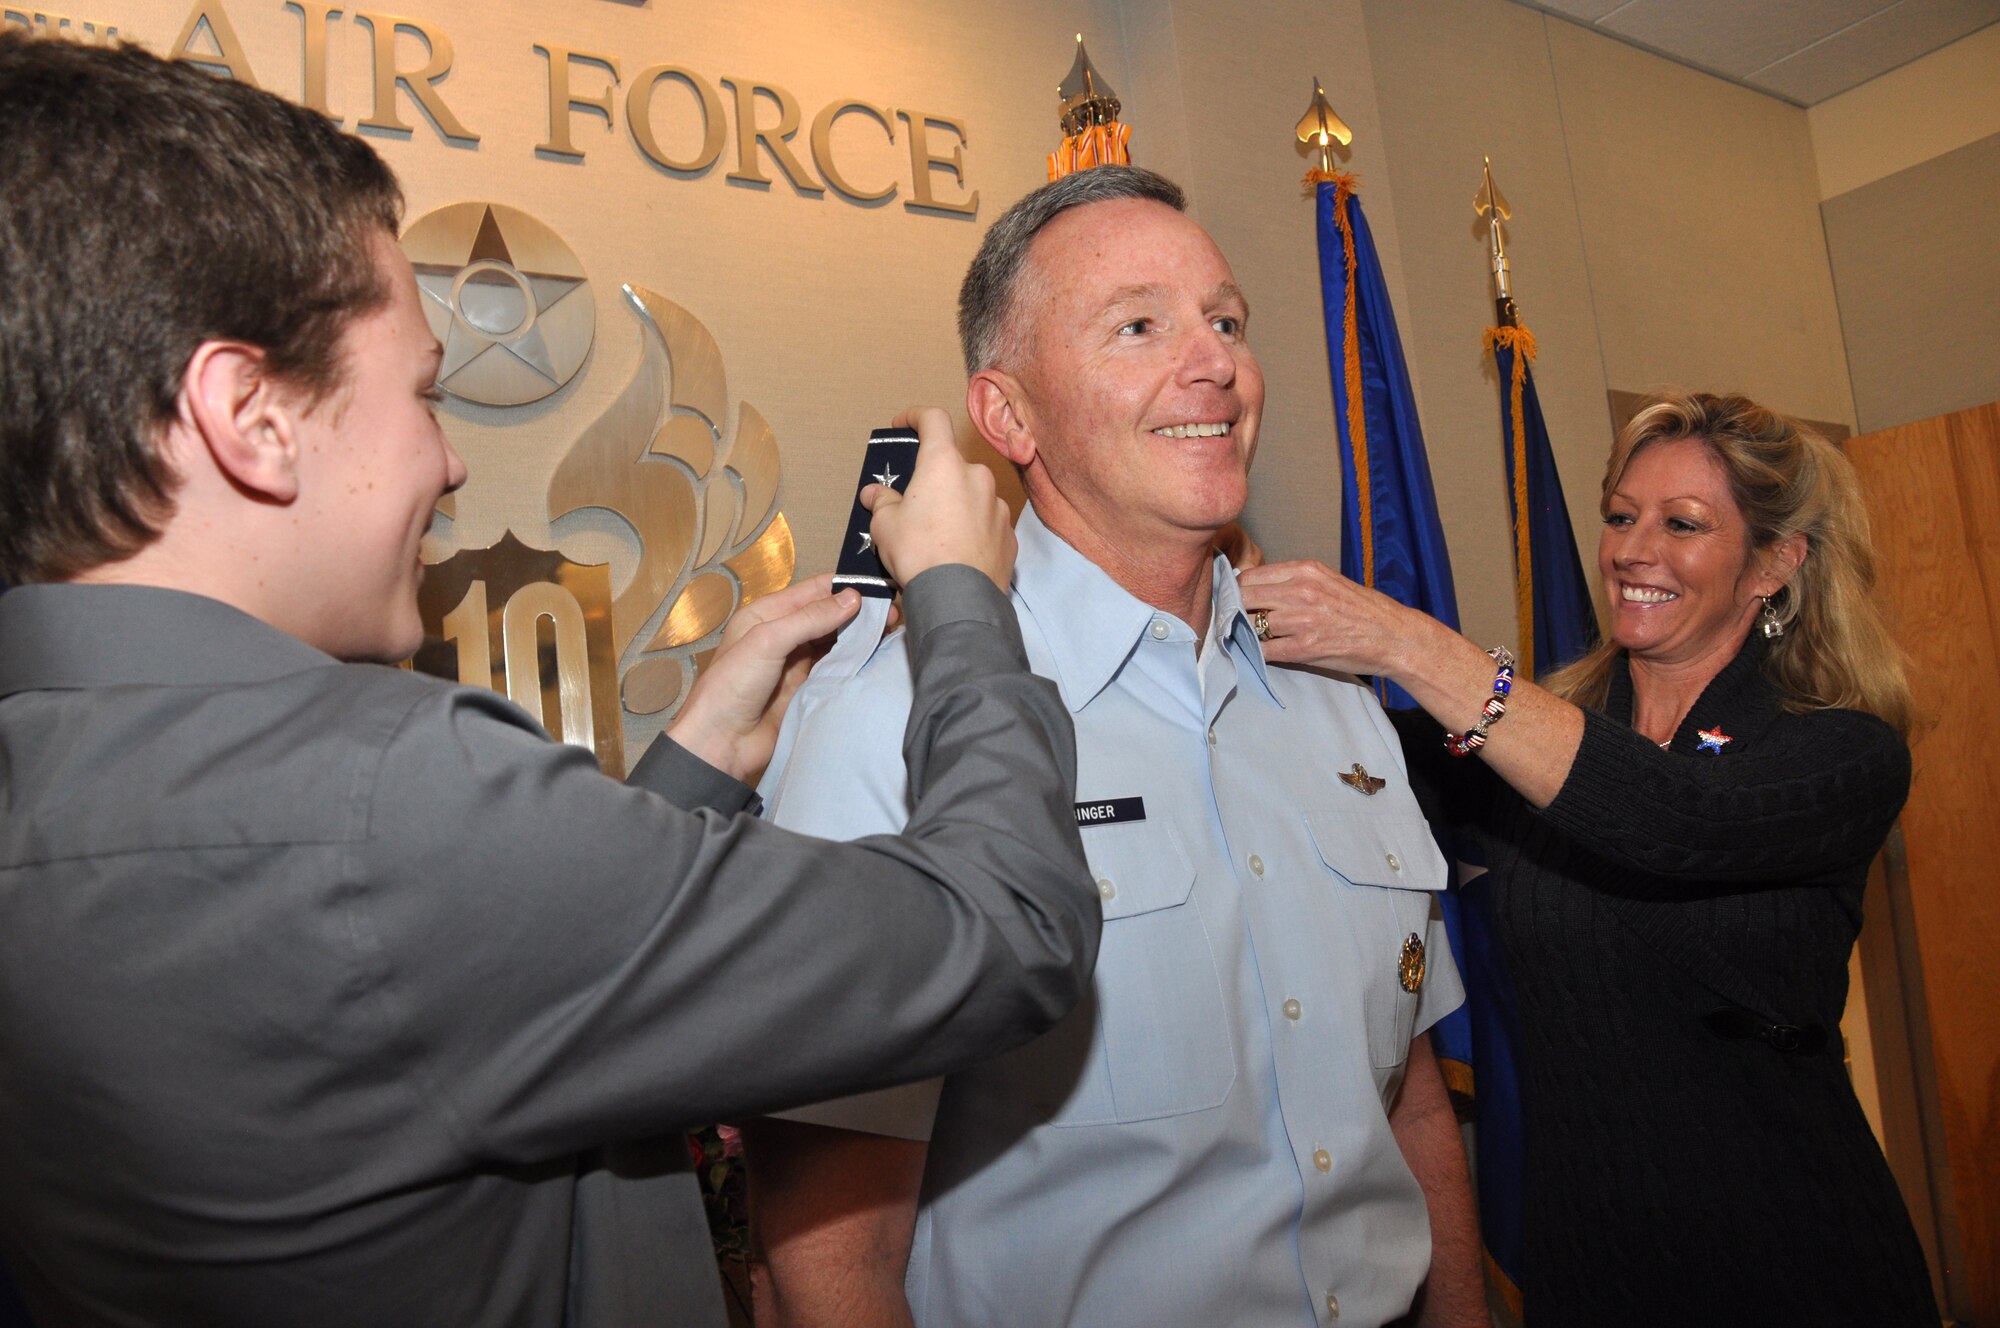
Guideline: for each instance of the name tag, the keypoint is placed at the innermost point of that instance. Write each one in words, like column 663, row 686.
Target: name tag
column 1111, row 811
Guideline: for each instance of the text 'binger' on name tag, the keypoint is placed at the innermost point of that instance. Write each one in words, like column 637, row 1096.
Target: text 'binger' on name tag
column 1110, row 811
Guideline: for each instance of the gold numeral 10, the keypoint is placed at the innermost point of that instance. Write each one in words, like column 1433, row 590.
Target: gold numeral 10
column 466, row 627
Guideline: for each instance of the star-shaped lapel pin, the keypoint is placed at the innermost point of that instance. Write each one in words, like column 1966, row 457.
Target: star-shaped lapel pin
column 1712, row 740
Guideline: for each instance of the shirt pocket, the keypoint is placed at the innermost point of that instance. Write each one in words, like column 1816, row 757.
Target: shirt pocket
column 1162, row 1033
column 1394, row 865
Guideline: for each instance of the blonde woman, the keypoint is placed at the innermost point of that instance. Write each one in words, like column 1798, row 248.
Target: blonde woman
column 1679, row 828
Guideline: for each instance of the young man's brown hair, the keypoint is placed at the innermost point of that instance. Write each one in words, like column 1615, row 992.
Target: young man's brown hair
column 147, row 207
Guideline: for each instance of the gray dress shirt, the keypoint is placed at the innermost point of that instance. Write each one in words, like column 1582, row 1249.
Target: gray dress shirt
column 332, row 994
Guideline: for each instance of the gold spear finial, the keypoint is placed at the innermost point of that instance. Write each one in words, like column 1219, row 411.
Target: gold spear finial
column 1321, row 128
column 1086, row 98
column 1491, row 204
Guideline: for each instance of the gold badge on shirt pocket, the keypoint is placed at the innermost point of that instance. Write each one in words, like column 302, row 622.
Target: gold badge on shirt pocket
column 1410, row 963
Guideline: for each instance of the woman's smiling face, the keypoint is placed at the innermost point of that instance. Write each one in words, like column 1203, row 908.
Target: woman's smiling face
column 1679, row 571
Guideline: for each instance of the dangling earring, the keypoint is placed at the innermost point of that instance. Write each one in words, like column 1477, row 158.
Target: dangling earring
column 1773, row 628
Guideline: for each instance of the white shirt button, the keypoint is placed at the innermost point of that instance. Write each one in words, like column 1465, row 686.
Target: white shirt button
column 1293, row 1009
column 1211, row 735
column 1256, row 865
column 1105, row 889
column 1159, row 629
column 1332, row 1306
column 1323, row 1160
column 1395, row 863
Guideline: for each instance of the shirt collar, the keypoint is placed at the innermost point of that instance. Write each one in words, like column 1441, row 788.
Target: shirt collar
column 74, row 636
column 1091, row 624
column 1232, row 625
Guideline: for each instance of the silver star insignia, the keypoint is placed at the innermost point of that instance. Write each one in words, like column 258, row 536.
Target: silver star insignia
column 887, row 478
column 867, row 542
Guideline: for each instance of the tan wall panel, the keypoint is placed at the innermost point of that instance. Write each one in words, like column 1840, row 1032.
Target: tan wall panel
column 1699, row 208
column 1246, row 75
column 1916, row 257
column 1909, row 115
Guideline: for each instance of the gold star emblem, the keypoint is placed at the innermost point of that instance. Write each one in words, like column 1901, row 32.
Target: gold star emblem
column 1410, row 963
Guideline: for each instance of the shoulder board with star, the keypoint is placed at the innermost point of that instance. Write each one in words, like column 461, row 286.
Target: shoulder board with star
column 890, row 458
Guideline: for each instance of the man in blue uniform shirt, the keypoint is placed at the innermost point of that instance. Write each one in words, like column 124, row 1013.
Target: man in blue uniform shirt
column 1243, row 1122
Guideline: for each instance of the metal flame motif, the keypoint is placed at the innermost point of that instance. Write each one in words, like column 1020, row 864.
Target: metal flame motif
column 701, row 503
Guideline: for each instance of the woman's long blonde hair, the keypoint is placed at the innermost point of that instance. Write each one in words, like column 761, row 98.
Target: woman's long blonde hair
column 1787, row 480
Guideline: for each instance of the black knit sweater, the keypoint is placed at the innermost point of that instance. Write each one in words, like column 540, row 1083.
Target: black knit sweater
column 1674, row 1176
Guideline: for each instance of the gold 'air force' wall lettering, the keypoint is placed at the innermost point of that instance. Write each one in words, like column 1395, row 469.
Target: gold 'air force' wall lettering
column 47, row 23
column 677, row 117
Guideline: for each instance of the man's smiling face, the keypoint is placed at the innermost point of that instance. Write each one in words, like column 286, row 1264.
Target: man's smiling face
column 1143, row 394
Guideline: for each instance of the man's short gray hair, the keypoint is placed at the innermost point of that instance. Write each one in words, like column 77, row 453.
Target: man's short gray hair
column 987, row 299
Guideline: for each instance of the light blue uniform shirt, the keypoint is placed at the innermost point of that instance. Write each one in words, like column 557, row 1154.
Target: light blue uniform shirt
column 1205, row 1140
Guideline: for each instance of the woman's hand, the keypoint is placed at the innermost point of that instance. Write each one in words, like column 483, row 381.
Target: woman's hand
column 1317, row 616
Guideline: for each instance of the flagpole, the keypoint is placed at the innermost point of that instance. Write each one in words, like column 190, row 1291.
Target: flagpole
column 1392, row 539
column 1519, row 345
column 1321, row 128
column 1552, row 595
column 1494, row 208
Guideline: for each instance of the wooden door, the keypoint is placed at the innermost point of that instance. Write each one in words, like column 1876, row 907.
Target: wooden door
column 1933, row 492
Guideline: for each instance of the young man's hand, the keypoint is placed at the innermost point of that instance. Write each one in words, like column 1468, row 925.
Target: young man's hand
column 732, row 716
column 950, row 513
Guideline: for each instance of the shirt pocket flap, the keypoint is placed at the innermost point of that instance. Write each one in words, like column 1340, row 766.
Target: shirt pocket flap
column 1390, row 850
column 1139, row 868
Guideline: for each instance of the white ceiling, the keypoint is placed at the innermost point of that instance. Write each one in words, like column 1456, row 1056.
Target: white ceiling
column 1802, row 51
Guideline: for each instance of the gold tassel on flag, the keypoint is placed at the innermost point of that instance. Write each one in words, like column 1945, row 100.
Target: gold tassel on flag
column 1344, row 185
column 1098, row 145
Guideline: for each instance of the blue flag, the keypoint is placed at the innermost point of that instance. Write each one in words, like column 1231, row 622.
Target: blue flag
column 1390, row 536
column 1392, row 539
column 1552, row 595
column 1556, row 625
